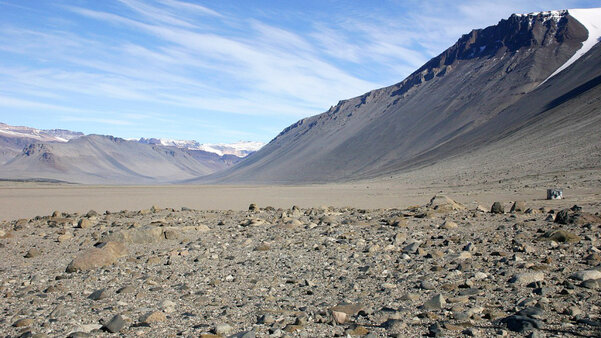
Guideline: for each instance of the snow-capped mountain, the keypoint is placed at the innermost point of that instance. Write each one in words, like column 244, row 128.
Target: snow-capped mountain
column 52, row 135
column 239, row 149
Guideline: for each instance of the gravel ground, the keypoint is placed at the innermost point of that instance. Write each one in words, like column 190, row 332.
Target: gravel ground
column 439, row 269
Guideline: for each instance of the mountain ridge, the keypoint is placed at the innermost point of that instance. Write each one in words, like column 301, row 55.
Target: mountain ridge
column 388, row 127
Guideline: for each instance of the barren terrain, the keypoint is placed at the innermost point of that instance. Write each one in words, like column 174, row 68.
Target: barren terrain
column 372, row 258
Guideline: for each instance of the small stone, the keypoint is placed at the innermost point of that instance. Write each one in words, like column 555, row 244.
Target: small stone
column 67, row 236
column 290, row 328
column 23, row 322
column 84, row 223
column 98, row 294
column 518, row 206
column 585, row 275
column 435, row 330
column 266, row 319
column 223, row 329
column 357, row 331
column 497, row 208
column 398, row 222
column 115, row 324
column 447, row 225
column 263, row 247
column 33, row 252
column 252, row 207
column 168, row 306
column 126, row 289
column 573, row 311
column 153, row 317
column 527, row 278
column 87, row 328
column 339, row 317
column 561, row 236
column 435, row 303
column 521, row 323
column 427, row 285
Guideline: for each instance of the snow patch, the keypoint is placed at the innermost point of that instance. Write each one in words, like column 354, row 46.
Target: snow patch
column 590, row 18
column 240, row 149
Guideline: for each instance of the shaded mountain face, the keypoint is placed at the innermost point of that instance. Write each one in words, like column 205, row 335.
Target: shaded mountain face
column 28, row 153
column 14, row 138
column 106, row 160
column 479, row 91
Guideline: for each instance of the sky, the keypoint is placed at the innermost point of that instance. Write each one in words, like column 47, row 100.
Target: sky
column 217, row 71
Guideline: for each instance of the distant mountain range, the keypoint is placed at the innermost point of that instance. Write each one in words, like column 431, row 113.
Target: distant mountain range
column 239, row 149
column 522, row 96
column 63, row 155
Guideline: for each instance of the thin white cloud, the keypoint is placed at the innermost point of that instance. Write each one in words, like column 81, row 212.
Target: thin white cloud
column 190, row 7
column 177, row 56
column 114, row 122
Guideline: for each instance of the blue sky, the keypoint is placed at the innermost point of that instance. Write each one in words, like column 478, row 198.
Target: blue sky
column 216, row 71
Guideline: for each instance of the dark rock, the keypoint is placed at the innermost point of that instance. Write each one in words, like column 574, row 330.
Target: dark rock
column 435, row 330
column 519, row 323
column 497, row 208
column 518, row 206
column 532, row 312
column 561, row 236
column 115, row 325
column 563, row 217
column 98, row 294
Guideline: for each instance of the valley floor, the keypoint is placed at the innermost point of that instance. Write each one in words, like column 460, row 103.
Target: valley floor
column 371, row 258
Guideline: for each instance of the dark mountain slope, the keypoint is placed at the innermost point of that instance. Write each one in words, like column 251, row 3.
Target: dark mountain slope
column 476, row 92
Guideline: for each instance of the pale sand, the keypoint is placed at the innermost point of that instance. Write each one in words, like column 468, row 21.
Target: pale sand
column 27, row 200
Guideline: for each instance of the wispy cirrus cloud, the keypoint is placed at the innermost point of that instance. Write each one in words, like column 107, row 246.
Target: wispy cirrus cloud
column 220, row 62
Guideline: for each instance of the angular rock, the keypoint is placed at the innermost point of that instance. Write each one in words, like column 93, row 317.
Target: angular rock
column 585, row 275
column 442, row 203
column 33, row 252
column 518, row 323
column 223, row 329
column 97, row 257
column 149, row 234
column 153, row 317
column 435, row 303
column 114, row 325
column 518, row 206
column 85, row 223
column 23, row 322
column 447, row 225
column 497, row 208
column 527, row 278
column 561, row 236
column 99, row 294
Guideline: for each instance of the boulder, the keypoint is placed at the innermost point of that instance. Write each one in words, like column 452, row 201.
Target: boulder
column 497, row 208
column 442, row 203
column 104, row 255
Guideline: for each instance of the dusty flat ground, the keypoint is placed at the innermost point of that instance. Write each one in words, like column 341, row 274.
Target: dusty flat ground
column 27, row 200
column 366, row 259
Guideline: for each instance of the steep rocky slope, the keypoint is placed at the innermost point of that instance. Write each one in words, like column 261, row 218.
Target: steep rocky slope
column 481, row 90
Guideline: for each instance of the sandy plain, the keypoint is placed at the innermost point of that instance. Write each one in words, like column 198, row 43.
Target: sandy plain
column 27, row 200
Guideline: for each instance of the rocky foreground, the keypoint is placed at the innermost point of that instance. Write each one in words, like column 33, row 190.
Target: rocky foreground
column 436, row 270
